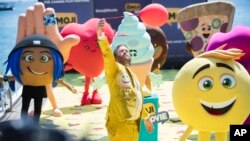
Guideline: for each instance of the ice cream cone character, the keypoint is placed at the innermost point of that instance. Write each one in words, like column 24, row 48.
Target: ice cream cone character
column 133, row 33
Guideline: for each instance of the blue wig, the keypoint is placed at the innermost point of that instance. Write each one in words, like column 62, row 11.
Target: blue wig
column 58, row 65
column 14, row 65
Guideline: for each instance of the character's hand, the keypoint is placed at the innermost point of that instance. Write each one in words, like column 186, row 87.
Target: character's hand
column 57, row 112
column 73, row 90
column 156, row 79
column 149, row 125
column 98, row 82
column 39, row 20
column 100, row 27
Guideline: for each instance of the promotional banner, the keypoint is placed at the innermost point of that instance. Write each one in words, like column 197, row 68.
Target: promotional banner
column 68, row 11
column 178, row 55
column 81, row 10
column 112, row 10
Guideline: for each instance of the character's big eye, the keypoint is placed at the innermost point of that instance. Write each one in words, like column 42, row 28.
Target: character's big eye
column 29, row 58
column 206, row 83
column 86, row 47
column 97, row 45
column 44, row 59
column 228, row 81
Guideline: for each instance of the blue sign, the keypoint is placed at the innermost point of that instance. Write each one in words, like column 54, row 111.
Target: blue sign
column 68, row 11
column 177, row 55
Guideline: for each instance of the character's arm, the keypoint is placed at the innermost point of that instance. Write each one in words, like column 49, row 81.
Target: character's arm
column 50, row 94
column 186, row 133
column 109, row 59
column 11, row 78
column 7, row 78
column 68, row 86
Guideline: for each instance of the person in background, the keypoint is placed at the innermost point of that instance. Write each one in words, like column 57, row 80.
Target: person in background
column 125, row 108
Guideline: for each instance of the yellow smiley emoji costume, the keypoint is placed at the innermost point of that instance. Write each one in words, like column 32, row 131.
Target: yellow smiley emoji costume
column 126, row 99
column 211, row 92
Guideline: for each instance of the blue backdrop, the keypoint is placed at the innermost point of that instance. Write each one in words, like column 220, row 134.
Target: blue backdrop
column 82, row 10
column 178, row 55
column 115, row 8
column 69, row 11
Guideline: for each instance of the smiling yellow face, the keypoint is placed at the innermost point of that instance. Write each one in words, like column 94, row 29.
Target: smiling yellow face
column 37, row 66
column 210, row 94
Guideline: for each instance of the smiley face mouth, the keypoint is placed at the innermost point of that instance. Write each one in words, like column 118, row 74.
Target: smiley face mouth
column 218, row 108
column 94, row 50
column 206, row 35
column 36, row 73
column 125, row 81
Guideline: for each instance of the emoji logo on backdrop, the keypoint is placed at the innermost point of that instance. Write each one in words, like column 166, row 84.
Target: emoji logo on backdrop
column 172, row 15
column 66, row 18
column 131, row 7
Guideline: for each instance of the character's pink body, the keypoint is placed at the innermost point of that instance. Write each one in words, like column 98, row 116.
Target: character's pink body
column 86, row 57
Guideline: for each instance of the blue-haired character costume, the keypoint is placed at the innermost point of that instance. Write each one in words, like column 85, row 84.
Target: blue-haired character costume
column 36, row 91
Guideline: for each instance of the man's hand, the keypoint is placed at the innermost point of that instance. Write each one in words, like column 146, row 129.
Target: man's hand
column 38, row 20
column 149, row 125
column 100, row 27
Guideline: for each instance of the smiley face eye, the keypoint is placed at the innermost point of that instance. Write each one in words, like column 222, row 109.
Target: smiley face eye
column 29, row 58
column 97, row 45
column 44, row 59
column 86, row 47
column 228, row 81
column 206, row 83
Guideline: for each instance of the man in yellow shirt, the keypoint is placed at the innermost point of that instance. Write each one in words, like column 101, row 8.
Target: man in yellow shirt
column 125, row 108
